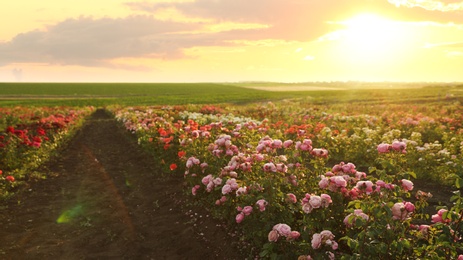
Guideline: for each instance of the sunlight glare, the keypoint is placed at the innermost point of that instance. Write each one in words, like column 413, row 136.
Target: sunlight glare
column 369, row 37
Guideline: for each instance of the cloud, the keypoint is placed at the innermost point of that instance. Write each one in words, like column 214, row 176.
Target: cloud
column 163, row 29
column 299, row 20
column 429, row 5
column 93, row 42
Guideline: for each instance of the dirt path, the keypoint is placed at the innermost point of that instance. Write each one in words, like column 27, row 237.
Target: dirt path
column 106, row 202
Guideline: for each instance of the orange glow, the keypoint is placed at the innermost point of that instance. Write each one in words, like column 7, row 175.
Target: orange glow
column 187, row 40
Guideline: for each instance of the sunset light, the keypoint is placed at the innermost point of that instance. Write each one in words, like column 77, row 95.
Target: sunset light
column 223, row 41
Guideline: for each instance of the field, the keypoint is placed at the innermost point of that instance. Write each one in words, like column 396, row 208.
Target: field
column 103, row 94
column 280, row 171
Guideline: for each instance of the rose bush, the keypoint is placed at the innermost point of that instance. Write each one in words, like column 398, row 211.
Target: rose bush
column 313, row 182
column 29, row 136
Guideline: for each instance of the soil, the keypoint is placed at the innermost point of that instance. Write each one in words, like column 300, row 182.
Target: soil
column 105, row 199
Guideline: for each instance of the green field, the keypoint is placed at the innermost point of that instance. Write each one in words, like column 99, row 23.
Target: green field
column 102, row 94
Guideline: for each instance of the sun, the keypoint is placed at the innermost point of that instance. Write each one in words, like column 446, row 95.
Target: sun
column 370, row 38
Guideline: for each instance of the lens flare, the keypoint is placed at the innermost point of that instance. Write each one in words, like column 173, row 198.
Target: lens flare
column 69, row 214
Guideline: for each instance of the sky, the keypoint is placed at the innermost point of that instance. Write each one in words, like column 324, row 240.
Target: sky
column 231, row 40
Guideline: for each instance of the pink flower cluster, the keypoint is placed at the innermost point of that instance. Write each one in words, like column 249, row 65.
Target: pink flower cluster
column 407, row 185
column 305, row 145
column 350, row 219
column 324, row 238
column 192, row 161
column 261, row 204
column 246, row 211
column 437, row 218
column 291, row 198
column 195, row 189
column 402, row 210
column 221, row 201
column 198, row 133
column 282, row 230
column 398, row 146
column 229, row 186
column 223, row 146
column 319, row 152
column 424, row 229
column 272, row 167
column 311, row 202
column 211, row 182
column 344, row 175
column 267, row 144
column 340, row 176
column 239, row 161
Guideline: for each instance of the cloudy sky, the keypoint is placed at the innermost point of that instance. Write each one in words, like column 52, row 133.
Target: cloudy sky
column 231, row 40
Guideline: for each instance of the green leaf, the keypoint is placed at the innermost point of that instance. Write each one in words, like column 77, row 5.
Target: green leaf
column 459, row 182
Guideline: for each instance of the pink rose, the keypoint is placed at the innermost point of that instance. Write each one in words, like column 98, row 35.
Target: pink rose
column 195, row 189
column 316, row 241
column 436, row 218
column 273, row 236
column 407, row 185
column 239, row 218
column 383, row 148
column 350, row 219
column 380, row 183
column 315, row 201
column 399, row 146
column 291, row 198
column 409, row 206
column 233, row 174
column 261, row 204
column 226, row 189
column 281, row 167
column 424, row 229
column 277, row 144
column 294, row 235
column 397, row 210
column 401, row 211
column 283, row 229
column 326, row 200
column 348, row 168
column 307, row 208
column 324, row 183
column 326, row 234
column 287, row 143
column 247, row 210
column 189, row 163
column 337, row 168
column 339, row 181
column 217, row 181
column 360, row 175
column 232, row 183
column 319, row 152
column 241, row 191
column 270, row 167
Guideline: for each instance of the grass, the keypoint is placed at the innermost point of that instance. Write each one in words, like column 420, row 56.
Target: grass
column 103, row 94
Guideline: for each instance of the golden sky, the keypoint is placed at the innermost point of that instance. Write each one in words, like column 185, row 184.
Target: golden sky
column 231, row 40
